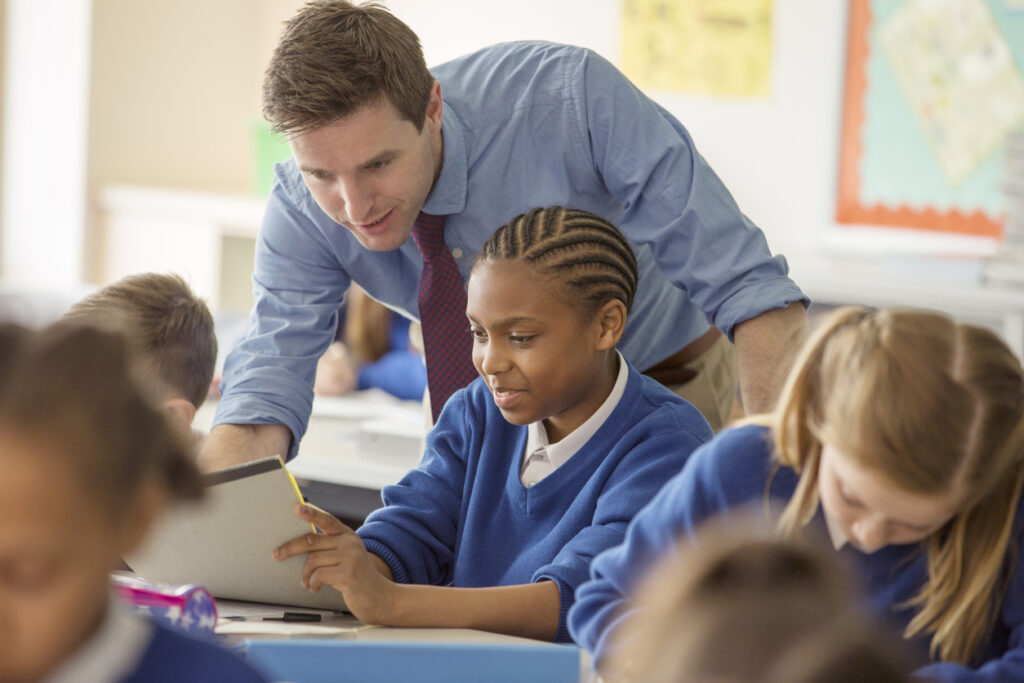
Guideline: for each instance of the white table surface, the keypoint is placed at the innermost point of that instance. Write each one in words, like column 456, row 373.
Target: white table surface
column 330, row 451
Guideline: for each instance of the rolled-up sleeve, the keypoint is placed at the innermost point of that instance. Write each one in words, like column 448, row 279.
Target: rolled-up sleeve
column 298, row 284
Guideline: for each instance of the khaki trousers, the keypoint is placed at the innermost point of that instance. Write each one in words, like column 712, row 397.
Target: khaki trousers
column 712, row 390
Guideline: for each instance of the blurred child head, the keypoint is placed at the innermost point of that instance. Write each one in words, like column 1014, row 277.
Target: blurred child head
column 88, row 462
column 908, row 426
column 547, row 303
column 736, row 604
column 173, row 328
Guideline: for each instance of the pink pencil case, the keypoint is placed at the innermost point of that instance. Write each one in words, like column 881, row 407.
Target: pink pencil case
column 188, row 608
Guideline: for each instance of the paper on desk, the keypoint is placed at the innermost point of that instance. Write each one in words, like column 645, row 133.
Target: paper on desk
column 393, row 439
column 366, row 405
column 277, row 628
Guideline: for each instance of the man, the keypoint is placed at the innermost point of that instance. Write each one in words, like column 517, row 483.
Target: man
column 377, row 138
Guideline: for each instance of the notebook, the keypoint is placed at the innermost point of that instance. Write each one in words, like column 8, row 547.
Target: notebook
column 224, row 542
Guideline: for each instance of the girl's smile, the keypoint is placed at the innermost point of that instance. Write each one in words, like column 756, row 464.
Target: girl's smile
column 505, row 399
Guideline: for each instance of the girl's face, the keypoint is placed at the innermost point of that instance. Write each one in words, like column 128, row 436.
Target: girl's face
column 539, row 358
column 870, row 511
column 56, row 551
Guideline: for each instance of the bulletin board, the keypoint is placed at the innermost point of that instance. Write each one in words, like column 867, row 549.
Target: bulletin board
column 932, row 89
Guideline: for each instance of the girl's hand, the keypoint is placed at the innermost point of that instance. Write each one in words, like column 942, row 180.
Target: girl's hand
column 338, row 558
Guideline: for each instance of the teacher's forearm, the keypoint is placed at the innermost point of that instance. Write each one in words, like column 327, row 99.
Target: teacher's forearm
column 765, row 348
column 227, row 445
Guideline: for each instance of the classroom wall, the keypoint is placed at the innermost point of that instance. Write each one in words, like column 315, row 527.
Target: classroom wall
column 193, row 87
column 3, row 45
column 174, row 92
column 778, row 156
column 45, row 67
column 175, row 96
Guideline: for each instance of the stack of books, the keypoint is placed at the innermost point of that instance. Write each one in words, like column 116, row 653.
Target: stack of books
column 1006, row 268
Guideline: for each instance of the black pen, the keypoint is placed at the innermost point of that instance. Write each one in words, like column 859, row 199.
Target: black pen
column 295, row 616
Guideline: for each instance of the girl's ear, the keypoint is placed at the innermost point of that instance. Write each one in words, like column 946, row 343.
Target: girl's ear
column 611, row 321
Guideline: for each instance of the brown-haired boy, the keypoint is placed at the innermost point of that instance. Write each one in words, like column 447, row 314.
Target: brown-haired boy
column 172, row 328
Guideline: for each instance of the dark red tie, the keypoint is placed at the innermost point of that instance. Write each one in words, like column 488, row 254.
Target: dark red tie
column 447, row 343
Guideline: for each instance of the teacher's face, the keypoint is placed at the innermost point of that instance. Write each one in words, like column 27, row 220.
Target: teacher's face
column 371, row 171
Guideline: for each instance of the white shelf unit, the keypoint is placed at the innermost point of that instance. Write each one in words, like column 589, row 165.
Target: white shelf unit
column 206, row 238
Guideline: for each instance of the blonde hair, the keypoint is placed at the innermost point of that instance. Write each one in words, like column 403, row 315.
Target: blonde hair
column 934, row 406
column 171, row 325
column 737, row 603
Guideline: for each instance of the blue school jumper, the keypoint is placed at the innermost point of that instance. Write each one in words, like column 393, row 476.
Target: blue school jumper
column 173, row 657
column 464, row 518
column 734, row 470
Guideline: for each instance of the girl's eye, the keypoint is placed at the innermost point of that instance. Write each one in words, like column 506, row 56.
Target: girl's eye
column 521, row 338
column 846, row 499
column 478, row 335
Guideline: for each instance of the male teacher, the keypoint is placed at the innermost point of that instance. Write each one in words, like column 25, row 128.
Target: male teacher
column 384, row 151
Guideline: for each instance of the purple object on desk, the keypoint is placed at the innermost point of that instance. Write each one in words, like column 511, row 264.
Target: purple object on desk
column 188, row 608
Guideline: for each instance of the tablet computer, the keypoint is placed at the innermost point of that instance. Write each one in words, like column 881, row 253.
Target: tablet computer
column 223, row 543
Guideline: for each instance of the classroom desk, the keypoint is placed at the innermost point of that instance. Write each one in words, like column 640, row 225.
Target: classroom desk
column 354, row 446
column 341, row 649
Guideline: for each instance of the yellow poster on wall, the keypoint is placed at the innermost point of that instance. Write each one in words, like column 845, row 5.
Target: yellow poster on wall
column 715, row 47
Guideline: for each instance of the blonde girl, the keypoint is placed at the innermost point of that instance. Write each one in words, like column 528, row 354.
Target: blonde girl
column 900, row 433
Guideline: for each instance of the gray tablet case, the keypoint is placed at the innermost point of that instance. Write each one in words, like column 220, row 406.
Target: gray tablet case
column 224, row 542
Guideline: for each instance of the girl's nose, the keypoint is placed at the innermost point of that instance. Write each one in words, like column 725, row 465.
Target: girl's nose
column 493, row 361
column 869, row 533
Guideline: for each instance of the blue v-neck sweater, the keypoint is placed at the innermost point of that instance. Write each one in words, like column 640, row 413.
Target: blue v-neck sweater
column 463, row 518
column 735, row 471
column 172, row 657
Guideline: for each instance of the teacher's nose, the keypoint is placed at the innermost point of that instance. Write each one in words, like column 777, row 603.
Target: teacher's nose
column 358, row 200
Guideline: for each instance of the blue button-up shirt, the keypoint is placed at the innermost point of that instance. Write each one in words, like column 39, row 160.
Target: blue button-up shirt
column 524, row 125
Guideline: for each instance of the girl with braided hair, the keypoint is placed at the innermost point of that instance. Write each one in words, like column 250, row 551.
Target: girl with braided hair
column 535, row 467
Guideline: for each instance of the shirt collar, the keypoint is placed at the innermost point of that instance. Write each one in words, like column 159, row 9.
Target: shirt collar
column 835, row 532
column 558, row 453
column 112, row 652
column 448, row 196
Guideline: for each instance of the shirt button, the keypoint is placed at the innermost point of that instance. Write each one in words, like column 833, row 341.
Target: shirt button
column 530, row 484
column 456, row 252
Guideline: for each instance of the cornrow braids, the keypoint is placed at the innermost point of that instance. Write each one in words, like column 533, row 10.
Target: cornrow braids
column 582, row 250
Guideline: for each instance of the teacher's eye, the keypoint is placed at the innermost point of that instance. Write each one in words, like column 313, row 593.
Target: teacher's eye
column 378, row 165
column 318, row 175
